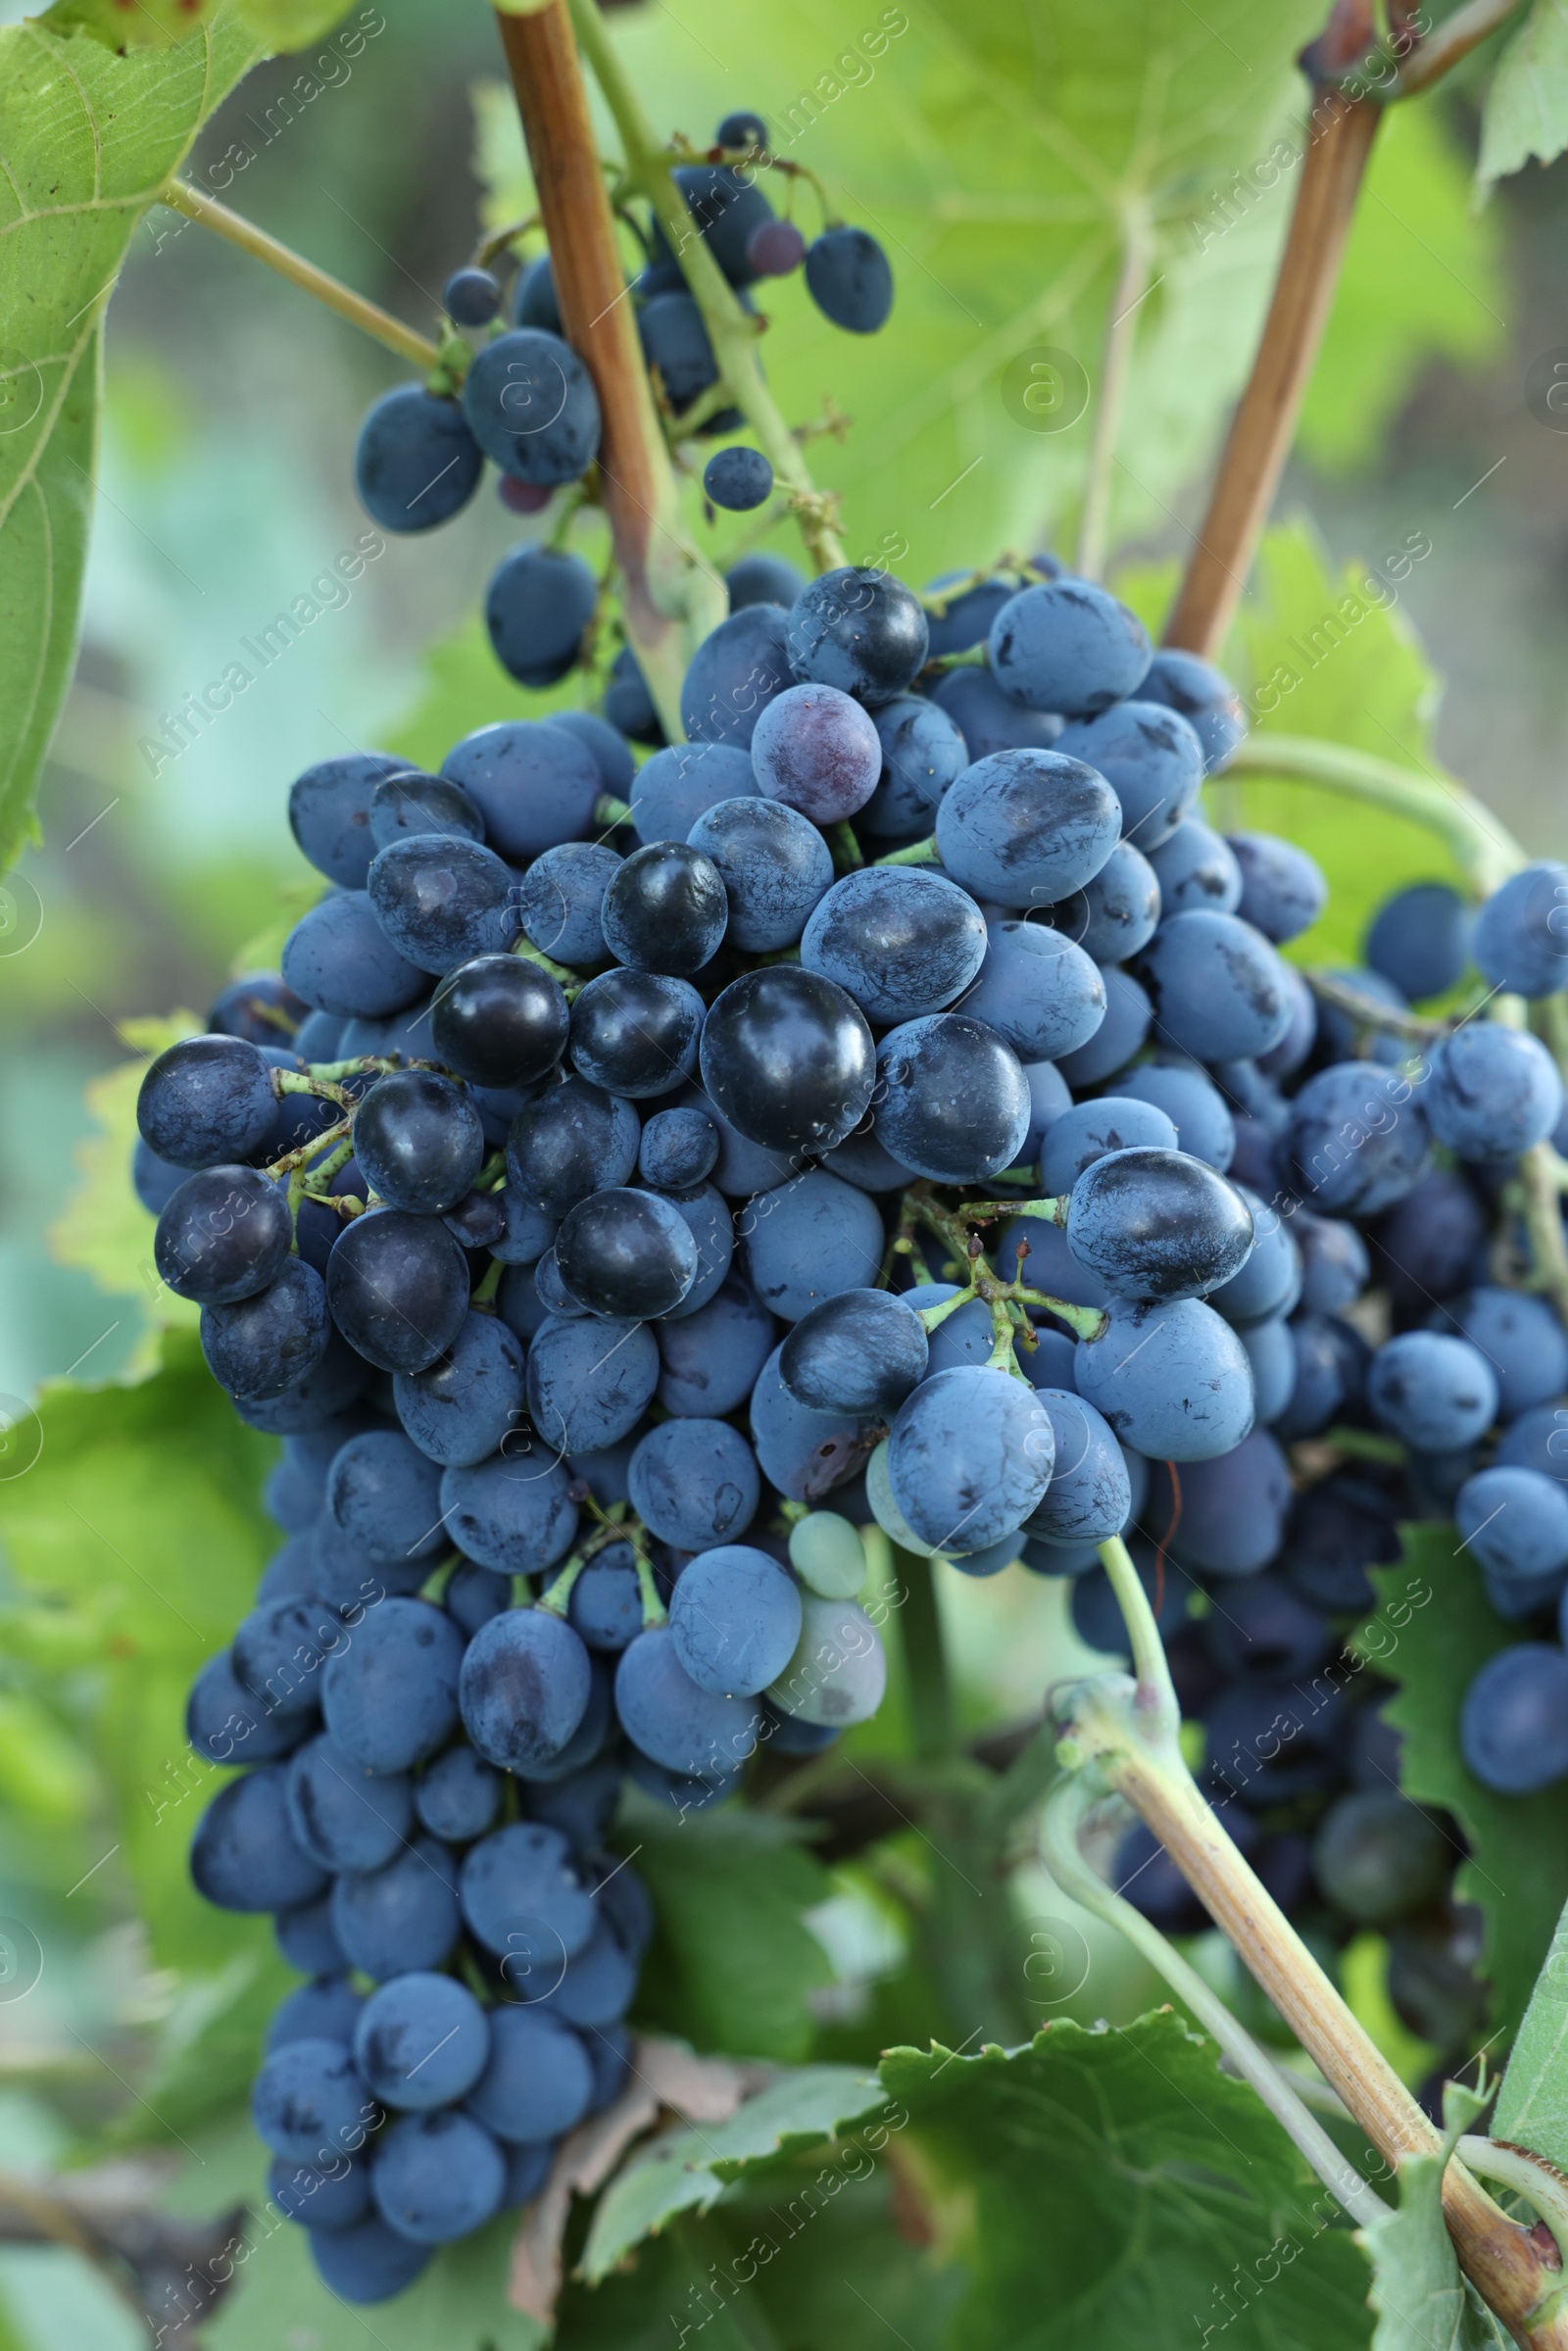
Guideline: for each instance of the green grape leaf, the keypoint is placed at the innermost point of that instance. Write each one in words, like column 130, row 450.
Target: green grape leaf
column 809, row 2255
column 1421, row 2300
column 999, row 156
column 86, row 140
column 1517, row 1868
column 732, row 1964
column 140, row 1508
column 1526, row 110
column 688, row 2170
column 1324, row 650
column 1105, row 2188
column 1533, row 2102
column 458, row 2303
column 1423, row 276
column 124, row 25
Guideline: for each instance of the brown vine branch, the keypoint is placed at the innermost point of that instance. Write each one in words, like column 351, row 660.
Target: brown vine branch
column 670, row 598
column 1504, row 2262
column 1339, row 143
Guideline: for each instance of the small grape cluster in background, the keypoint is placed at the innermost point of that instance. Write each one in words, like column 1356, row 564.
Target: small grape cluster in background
column 887, row 1105
column 527, row 402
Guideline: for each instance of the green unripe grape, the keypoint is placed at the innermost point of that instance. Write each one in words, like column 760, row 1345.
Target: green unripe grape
column 826, row 1553
column 885, row 1511
column 838, row 1672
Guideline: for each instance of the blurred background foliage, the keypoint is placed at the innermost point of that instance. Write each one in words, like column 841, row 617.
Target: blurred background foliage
column 1001, row 155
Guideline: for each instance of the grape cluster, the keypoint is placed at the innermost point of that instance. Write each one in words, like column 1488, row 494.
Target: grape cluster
column 527, row 404
column 887, row 1104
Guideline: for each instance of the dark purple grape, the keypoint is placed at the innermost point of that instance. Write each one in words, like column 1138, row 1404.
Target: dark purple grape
column 627, row 1254
column 207, row 1100
column 788, row 1058
column 224, row 1234
column 573, row 1141
column 636, row 1033
column 268, row 1342
column 665, row 909
column 398, row 1287
column 858, row 629
column 470, row 297
column 417, row 1137
column 499, row 1020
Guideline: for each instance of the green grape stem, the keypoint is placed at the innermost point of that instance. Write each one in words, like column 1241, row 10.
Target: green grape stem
column 557, row 1599
column 1064, row 1812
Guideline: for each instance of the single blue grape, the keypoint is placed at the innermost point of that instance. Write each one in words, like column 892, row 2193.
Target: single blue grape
column 436, row 2177
column 1087, row 1130
column 417, row 462
column 1520, row 940
column 1217, row 987
column 345, row 1817
column 738, row 478
column 763, row 579
column 1067, row 644
column 573, row 1141
column 734, row 1620
column 536, row 785
column 389, row 1695
column 513, row 1512
column 1357, row 1139
column 849, row 277
column 694, row 1484
column 674, row 1721
column 310, row 2102
column 859, row 629
column 1026, row 827
column 1519, row 1336
column 1119, row 1036
column 774, row 864
column 525, row 1687
column 1194, row 869
column 953, row 1103
column 1090, row 1496
column 1515, row 1523
column 1513, row 1725
column 1116, row 913
column 243, row 1856
column 922, row 751
column 461, row 1406
column 1042, row 995
column 531, row 405
column 1438, row 1393
column 903, row 943
column 990, row 720
column 807, row 1240
column 969, row 1456
column 1420, row 940
column 421, row 2042
column 522, row 1892
column 458, row 1797
column 590, row 1382
column 1283, row 889
column 539, row 2082
column 1153, row 762
column 861, row 1351
column 1491, row 1091
column 1172, row 1380
column 385, row 1497
column 259, row 1347
column 442, row 900
column 1156, row 1224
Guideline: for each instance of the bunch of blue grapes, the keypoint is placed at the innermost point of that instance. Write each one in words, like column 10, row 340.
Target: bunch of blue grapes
column 657, row 1162
column 528, row 405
